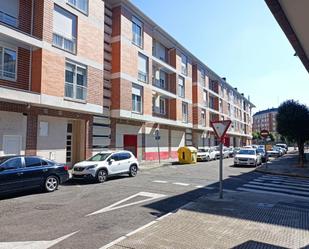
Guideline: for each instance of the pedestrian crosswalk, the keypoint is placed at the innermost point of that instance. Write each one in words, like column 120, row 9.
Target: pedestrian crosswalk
column 278, row 185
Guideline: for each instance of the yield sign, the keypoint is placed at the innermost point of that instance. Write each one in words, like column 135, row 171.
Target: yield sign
column 220, row 127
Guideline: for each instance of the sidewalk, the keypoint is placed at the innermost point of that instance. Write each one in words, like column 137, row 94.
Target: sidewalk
column 286, row 165
column 240, row 220
column 146, row 165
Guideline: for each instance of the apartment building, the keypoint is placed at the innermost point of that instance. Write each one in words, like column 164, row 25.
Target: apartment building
column 80, row 76
column 51, row 78
column 266, row 120
column 158, row 85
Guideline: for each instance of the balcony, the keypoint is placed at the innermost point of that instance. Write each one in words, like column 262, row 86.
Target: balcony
column 68, row 45
column 8, row 19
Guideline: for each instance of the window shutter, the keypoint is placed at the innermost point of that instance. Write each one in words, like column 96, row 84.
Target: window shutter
column 64, row 23
column 142, row 64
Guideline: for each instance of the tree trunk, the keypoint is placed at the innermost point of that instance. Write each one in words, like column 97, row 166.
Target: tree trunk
column 300, row 146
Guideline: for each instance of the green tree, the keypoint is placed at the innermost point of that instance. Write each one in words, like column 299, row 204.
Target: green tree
column 293, row 123
column 271, row 136
column 256, row 135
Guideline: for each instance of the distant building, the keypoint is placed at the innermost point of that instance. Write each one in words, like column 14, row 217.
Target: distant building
column 266, row 120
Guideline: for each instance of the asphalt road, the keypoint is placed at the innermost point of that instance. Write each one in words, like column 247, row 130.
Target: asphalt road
column 83, row 211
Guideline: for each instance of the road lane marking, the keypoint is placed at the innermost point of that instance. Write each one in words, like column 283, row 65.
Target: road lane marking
column 148, row 197
column 199, row 186
column 44, row 244
column 114, row 242
column 181, row 183
column 158, row 181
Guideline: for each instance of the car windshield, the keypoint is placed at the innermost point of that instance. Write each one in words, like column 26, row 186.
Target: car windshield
column 260, row 151
column 99, row 157
column 202, row 150
column 246, row 152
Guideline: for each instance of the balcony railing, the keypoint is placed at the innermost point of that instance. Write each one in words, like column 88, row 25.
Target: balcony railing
column 159, row 83
column 142, row 76
column 8, row 19
column 64, row 43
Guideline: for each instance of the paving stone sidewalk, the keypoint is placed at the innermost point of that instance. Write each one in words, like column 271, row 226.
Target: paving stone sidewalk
column 286, row 165
column 240, row 220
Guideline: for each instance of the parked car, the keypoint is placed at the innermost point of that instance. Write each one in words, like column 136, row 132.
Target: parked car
column 213, row 153
column 279, row 149
column 216, row 151
column 203, row 154
column 104, row 164
column 236, row 150
column 27, row 172
column 231, row 151
column 225, row 152
column 283, row 146
column 262, row 152
column 273, row 152
column 247, row 157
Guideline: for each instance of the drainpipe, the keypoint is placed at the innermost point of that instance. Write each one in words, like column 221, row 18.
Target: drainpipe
column 31, row 33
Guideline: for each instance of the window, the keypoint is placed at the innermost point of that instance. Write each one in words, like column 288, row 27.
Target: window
column 205, row 98
column 162, row 106
column 160, row 78
column 8, row 60
column 203, row 117
column 142, row 68
column 33, row 162
column 137, row 30
column 9, row 12
column 203, row 79
column 220, row 105
column 213, row 86
column 212, row 102
column 184, row 64
column 115, row 157
column 13, row 163
column 184, row 112
column 181, row 87
column 124, row 156
column 75, row 81
column 81, row 5
column 229, row 109
column 136, row 99
column 64, row 30
column 159, row 51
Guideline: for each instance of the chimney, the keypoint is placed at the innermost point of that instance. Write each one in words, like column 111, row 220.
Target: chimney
column 224, row 78
column 235, row 88
column 242, row 94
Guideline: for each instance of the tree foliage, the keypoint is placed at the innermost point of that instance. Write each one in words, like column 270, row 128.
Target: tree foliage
column 293, row 123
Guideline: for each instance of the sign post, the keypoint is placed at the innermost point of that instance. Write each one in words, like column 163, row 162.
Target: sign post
column 220, row 128
column 157, row 138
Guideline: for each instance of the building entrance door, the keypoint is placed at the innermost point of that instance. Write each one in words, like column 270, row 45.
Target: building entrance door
column 130, row 143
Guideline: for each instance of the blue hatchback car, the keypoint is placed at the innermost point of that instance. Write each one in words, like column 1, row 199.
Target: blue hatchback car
column 26, row 172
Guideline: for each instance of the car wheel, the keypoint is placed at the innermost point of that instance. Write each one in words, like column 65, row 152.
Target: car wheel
column 101, row 175
column 133, row 171
column 51, row 183
column 208, row 159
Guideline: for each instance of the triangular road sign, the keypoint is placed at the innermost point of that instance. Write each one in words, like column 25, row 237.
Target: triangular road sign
column 220, row 127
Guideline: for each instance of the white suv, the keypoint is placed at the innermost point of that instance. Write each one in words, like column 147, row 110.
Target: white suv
column 105, row 164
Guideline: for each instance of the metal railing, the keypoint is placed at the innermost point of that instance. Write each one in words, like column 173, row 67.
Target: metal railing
column 160, row 83
column 64, row 43
column 8, row 19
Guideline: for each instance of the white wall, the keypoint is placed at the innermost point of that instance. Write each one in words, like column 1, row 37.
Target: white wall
column 12, row 123
column 151, row 143
column 55, row 141
column 177, row 139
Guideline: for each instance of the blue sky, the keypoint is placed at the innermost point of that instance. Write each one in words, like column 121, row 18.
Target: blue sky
column 239, row 40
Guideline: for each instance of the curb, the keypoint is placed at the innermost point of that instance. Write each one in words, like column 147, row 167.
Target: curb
column 280, row 173
column 155, row 167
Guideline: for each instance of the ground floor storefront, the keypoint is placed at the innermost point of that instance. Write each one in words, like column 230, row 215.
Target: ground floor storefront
column 140, row 139
column 63, row 136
